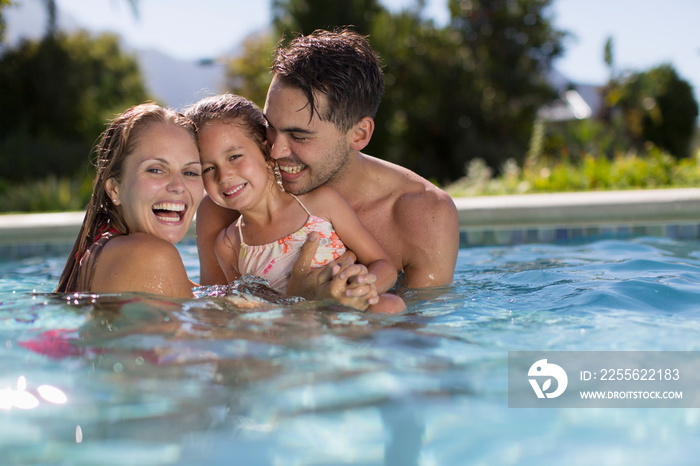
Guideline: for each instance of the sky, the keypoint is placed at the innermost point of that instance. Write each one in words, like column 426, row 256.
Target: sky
column 645, row 33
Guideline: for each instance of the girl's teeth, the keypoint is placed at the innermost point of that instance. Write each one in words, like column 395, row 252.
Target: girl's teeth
column 231, row 193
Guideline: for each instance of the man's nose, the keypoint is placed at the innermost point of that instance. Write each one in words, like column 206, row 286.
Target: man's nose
column 280, row 148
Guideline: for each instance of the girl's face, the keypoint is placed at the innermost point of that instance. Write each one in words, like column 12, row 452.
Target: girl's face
column 161, row 185
column 235, row 172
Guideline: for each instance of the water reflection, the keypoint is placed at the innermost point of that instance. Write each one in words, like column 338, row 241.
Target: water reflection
column 22, row 398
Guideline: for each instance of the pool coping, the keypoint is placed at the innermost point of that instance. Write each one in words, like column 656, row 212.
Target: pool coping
column 481, row 213
column 580, row 208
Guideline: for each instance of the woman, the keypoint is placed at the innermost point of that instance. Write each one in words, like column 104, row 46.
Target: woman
column 146, row 191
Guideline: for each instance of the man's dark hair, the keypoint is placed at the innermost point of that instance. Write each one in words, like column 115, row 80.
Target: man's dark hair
column 340, row 64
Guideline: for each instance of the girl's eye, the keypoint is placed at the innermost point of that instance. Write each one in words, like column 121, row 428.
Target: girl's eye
column 298, row 138
column 207, row 169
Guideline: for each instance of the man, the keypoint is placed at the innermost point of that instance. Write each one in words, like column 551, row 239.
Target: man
column 320, row 110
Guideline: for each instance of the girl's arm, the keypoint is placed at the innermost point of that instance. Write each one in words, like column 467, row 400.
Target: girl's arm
column 141, row 262
column 328, row 203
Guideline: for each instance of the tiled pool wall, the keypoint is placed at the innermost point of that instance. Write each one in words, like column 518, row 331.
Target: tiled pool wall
column 489, row 236
column 579, row 216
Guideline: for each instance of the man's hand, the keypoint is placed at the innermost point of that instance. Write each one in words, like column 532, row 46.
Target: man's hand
column 342, row 279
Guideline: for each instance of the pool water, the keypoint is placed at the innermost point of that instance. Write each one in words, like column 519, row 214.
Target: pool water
column 134, row 380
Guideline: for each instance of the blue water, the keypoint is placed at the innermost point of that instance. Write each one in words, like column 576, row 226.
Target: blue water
column 148, row 382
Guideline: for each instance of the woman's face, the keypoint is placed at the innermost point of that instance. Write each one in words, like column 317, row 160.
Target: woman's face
column 161, row 185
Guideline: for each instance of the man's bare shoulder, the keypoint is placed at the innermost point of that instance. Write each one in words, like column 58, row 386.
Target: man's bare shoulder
column 409, row 190
column 422, row 227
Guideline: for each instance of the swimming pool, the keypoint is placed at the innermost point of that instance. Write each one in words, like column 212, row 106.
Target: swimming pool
column 131, row 380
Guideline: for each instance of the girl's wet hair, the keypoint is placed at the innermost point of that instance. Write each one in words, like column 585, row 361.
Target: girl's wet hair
column 118, row 141
column 232, row 109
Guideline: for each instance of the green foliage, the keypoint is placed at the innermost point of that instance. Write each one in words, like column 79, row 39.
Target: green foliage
column 52, row 194
column 3, row 24
column 626, row 170
column 248, row 74
column 467, row 90
column 656, row 106
column 305, row 16
column 57, row 94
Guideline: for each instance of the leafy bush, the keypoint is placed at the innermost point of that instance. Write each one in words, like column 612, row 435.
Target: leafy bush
column 57, row 94
column 52, row 194
column 629, row 170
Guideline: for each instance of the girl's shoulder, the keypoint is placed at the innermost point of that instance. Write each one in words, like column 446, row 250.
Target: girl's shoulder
column 323, row 201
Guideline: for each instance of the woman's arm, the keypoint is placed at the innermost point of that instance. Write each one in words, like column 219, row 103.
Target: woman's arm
column 142, row 263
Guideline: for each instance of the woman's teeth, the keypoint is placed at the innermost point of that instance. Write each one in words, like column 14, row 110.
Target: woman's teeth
column 169, row 211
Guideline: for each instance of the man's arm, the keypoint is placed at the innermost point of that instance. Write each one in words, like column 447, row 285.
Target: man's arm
column 430, row 231
column 211, row 220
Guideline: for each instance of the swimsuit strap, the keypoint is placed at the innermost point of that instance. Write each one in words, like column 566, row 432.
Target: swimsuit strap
column 240, row 219
column 240, row 232
column 301, row 204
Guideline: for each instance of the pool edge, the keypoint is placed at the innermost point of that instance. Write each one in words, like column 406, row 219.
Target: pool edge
column 573, row 210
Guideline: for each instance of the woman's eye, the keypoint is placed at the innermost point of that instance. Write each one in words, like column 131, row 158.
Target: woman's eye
column 192, row 173
column 298, row 138
column 234, row 157
column 154, row 170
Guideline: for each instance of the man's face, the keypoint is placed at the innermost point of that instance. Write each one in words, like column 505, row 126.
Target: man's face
column 310, row 152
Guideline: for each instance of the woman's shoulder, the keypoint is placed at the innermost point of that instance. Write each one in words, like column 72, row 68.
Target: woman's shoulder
column 141, row 262
column 141, row 246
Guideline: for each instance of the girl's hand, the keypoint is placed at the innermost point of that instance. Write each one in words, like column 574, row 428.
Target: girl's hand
column 352, row 286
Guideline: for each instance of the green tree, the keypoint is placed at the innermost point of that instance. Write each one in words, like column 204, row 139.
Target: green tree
column 3, row 4
column 57, row 94
column 511, row 44
column 656, row 106
column 305, row 16
column 248, row 74
column 467, row 90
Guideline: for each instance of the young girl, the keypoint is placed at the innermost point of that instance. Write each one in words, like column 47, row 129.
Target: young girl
column 266, row 239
